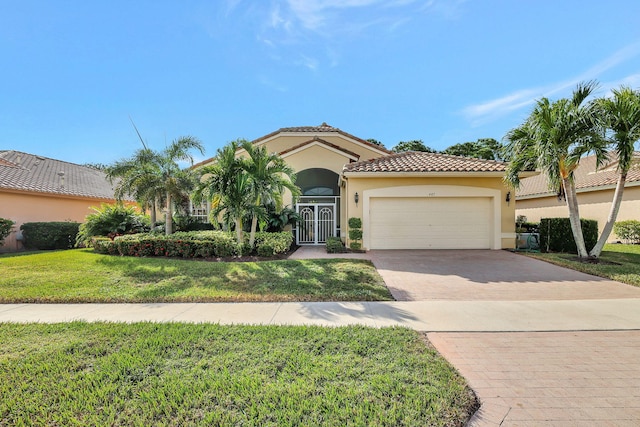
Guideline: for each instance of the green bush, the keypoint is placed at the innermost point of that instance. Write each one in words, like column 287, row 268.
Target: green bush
column 111, row 221
column 556, row 234
column 355, row 234
column 335, row 245
column 6, row 225
column 355, row 223
column 628, row 230
column 49, row 235
column 277, row 243
column 195, row 244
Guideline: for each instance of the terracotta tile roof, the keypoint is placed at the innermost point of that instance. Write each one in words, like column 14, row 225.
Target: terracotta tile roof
column 323, row 128
column 323, row 142
column 586, row 176
column 28, row 172
column 417, row 161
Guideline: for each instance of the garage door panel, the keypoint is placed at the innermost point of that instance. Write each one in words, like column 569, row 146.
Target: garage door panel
column 430, row 223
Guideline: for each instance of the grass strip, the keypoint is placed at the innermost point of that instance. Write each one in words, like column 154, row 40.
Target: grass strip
column 183, row 374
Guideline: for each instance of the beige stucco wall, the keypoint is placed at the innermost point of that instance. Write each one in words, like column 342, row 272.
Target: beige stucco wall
column 355, row 184
column 284, row 142
column 34, row 207
column 593, row 205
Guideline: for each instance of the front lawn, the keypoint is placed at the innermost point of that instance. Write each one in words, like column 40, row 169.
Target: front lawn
column 181, row 374
column 619, row 262
column 82, row 275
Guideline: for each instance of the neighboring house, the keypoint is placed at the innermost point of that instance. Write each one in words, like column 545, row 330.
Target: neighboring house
column 595, row 188
column 409, row 200
column 35, row 188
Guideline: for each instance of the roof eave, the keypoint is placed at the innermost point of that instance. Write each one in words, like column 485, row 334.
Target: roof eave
column 413, row 174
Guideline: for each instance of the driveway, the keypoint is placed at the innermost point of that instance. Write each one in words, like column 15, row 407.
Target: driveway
column 464, row 275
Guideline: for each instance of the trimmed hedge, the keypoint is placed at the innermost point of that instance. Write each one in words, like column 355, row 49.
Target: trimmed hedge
column 628, row 230
column 49, row 235
column 556, row 235
column 335, row 245
column 199, row 244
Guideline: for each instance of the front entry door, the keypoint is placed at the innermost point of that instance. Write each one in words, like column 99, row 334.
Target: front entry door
column 318, row 221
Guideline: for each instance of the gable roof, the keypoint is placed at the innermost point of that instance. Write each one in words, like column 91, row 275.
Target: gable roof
column 418, row 161
column 320, row 141
column 30, row 173
column 587, row 178
column 313, row 130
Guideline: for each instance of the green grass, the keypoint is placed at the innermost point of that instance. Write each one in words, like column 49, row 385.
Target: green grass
column 626, row 257
column 180, row 374
column 83, row 276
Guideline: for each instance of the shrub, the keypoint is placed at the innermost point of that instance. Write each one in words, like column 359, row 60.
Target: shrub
column 276, row 243
column 355, row 233
column 556, row 234
column 628, row 230
column 112, row 220
column 335, row 245
column 195, row 244
column 49, row 235
column 355, row 223
column 6, row 225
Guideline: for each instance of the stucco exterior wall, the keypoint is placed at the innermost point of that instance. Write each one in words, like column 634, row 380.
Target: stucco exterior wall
column 355, row 184
column 34, row 207
column 593, row 205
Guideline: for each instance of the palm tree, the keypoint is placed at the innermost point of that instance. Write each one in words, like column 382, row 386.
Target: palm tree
column 271, row 176
column 621, row 115
column 150, row 175
column 228, row 186
column 553, row 139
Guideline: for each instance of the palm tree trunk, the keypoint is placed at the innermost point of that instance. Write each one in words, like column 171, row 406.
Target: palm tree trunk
column 574, row 216
column 613, row 214
column 168, row 222
column 239, row 231
column 152, row 212
column 254, row 226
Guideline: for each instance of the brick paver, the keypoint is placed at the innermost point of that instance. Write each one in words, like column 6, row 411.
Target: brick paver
column 549, row 378
column 465, row 275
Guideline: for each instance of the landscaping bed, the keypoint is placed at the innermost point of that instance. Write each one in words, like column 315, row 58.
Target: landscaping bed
column 83, row 276
column 182, row 374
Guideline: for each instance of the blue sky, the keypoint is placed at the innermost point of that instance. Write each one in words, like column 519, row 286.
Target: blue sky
column 444, row 71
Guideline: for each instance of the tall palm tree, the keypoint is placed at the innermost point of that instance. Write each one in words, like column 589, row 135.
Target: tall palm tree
column 621, row 114
column 228, row 186
column 553, row 139
column 271, row 176
column 150, row 175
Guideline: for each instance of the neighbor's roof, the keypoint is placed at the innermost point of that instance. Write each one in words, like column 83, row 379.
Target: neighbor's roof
column 587, row 177
column 27, row 172
column 418, row 161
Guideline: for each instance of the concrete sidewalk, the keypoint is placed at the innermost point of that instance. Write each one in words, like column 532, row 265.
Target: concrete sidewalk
column 431, row 316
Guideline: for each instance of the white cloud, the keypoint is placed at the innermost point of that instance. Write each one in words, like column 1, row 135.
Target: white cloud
column 492, row 109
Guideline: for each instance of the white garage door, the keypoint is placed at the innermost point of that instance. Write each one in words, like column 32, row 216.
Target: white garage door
column 431, row 223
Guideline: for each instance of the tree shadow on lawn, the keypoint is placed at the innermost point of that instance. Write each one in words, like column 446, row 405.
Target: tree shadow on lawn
column 284, row 280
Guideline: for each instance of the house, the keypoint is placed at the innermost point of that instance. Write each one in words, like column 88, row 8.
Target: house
column 35, row 188
column 410, row 200
column 594, row 187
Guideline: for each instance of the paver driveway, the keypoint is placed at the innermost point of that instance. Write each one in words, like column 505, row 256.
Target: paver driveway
column 418, row 275
column 563, row 378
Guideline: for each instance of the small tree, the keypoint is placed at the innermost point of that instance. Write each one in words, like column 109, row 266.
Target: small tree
column 111, row 221
column 6, row 226
column 355, row 233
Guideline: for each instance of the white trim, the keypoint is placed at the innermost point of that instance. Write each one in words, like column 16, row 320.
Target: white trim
column 320, row 144
column 348, row 174
column 427, row 191
column 580, row 190
column 312, row 135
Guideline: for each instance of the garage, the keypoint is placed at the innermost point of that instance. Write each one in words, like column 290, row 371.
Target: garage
column 431, row 222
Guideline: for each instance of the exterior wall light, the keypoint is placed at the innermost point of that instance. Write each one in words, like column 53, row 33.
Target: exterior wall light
column 356, row 198
column 508, row 198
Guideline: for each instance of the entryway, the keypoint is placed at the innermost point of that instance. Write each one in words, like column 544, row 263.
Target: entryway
column 318, row 222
